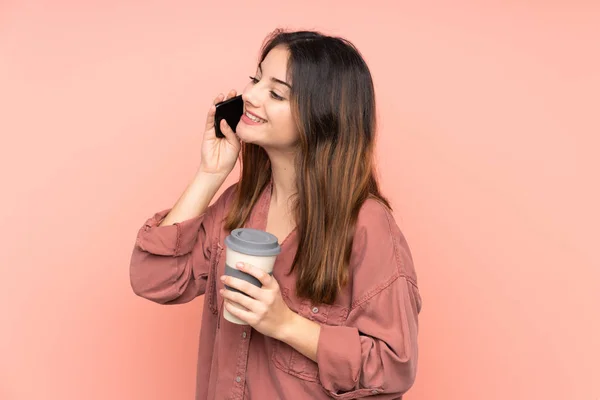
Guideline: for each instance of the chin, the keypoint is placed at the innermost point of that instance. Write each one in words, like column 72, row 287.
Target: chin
column 245, row 134
column 239, row 129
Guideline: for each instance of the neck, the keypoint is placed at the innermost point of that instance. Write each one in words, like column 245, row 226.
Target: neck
column 284, row 178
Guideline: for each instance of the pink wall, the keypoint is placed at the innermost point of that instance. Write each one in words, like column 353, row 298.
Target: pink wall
column 488, row 151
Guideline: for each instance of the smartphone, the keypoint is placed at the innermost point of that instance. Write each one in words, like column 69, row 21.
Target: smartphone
column 231, row 111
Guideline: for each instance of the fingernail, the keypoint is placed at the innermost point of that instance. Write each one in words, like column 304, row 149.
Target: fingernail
column 223, row 278
column 240, row 265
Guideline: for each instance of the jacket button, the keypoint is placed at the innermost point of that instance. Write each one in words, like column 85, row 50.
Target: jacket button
column 315, row 310
column 238, row 379
column 244, row 335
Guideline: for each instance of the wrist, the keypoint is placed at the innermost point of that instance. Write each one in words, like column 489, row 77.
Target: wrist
column 207, row 174
column 288, row 327
column 302, row 334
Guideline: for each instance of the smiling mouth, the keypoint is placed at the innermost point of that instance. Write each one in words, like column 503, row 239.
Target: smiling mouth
column 254, row 118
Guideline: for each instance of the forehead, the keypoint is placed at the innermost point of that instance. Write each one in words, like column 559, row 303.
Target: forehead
column 276, row 62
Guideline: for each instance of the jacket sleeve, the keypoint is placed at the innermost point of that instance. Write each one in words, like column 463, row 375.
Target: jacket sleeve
column 374, row 353
column 170, row 264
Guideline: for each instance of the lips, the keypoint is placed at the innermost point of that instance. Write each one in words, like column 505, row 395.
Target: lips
column 254, row 117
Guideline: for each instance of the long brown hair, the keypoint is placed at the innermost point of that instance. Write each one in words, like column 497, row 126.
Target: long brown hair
column 333, row 104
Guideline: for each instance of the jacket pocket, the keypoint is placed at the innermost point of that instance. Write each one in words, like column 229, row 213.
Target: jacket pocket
column 291, row 361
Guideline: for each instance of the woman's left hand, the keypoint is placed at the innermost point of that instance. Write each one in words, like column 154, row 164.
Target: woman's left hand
column 267, row 312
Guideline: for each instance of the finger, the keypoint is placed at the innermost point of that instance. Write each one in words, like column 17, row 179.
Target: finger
column 229, row 133
column 245, row 287
column 245, row 301
column 219, row 98
column 246, row 316
column 256, row 272
column 210, row 118
column 232, row 93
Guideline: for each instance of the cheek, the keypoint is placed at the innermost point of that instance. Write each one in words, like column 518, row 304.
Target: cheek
column 282, row 120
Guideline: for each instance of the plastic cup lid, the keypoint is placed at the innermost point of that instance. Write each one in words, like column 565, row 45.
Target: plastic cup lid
column 253, row 242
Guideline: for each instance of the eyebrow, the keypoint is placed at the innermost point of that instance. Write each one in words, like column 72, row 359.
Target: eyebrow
column 275, row 79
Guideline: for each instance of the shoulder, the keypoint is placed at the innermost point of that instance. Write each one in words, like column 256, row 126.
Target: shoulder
column 380, row 249
column 374, row 217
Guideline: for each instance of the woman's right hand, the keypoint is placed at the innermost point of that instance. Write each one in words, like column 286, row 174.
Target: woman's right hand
column 219, row 155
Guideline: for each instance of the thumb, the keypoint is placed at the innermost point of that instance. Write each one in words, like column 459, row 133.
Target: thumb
column 230, row 135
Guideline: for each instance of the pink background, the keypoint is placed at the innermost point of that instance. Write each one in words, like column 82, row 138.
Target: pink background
column 488, row 149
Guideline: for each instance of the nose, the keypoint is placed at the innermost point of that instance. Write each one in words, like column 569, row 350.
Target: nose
column 251, row 95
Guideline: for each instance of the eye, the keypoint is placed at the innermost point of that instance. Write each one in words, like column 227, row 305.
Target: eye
column 276, row 96
column 253, row 80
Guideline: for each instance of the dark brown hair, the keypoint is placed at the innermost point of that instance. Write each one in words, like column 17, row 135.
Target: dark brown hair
column 333, row 104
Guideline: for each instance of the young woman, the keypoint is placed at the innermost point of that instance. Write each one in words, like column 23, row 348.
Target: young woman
column 338, row 318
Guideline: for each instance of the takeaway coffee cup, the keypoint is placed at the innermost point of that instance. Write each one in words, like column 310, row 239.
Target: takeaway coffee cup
column 250, row 246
